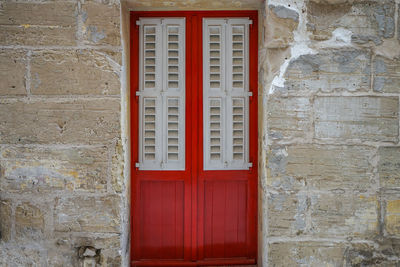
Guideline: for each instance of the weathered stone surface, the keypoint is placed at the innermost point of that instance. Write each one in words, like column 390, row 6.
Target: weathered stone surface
column 87, row 214
column 359, row 118
column 329, row 70
column 334, row 215
column 67, row 243
column 362, row 254
column 101, row 23
column 321, row 167
column 367, row 20
column 386, row 75
column 84, row 121
column 117, row 170
column 29, row 222
column 313, row 254
column 194, row 5
column 389, row 167
column 79, row 72
column 44, row 170
column 392, row 214
column 33, row 36
column 37, row 23
column 24, row 255
column 289, row 118
column 12, row 72
column 279, row 26
column 5, row 220
column 287, row 214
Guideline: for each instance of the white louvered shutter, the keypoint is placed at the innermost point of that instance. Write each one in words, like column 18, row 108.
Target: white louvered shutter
column 226, row 93
column 162, row 94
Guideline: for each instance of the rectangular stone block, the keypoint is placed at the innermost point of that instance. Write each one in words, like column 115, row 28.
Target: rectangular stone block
column 79, row 72
column 321, row 167
column 29, row 222
column 392, row 213
column 343, row 215
column 37, row 35
column 46, row 169
column 101, row 23
column 24, row 255
column 386, row 75
column 329, row 70
column 289, row 118
column 87, row 214
column 389, row 167
column 24, row 23
column 287, row 214
column 5, row 220
column 315, row 254
column 12, row 72
column 370, row 22
column 357, row 118
column 63, row 121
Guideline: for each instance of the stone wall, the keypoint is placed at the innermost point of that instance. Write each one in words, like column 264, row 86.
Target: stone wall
column 61, row 160
column 329, row 131
column 330, row 188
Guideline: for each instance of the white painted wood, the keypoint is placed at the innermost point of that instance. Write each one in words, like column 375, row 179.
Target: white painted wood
column 231, row 88
column 162, row 89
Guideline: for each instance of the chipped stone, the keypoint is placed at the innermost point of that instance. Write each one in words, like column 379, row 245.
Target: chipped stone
column 29, row 222
column 284, row 12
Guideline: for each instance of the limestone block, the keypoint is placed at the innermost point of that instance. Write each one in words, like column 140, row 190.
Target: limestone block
column 29, row 222
column 12, row 72
column 79, row 72
column 25, row 255
column 329, row 70
column 312, row 254
column 66, row 244
column 392, row 214
column 63, row 121
column 389, row 167
column 335, row 215
column 46, row 169
column 321, row 167
column 386, row 75
column 117, row 170
column 5, row 222
column 367, row 20
column 357, row 118
column 45, row 23
column 279, row 26
column 101, row 23
column 87, row 214
column 287, row 214
column 289, row 117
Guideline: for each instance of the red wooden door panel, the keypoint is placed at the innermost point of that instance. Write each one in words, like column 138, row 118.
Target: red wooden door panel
column 193, row 217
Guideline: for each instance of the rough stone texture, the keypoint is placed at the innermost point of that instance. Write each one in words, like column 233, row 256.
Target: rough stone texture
column 12, row 72
column 83, row 121
column 329, row 71
column 289, row 118
column 29, row 222
column 386, row 75
column 37, row 24
column 5, row 222
column 101, row 23
column 80, row 72
column 46, row 170
column 279, row 32
column 367, row 20
column 389, row 167
column 392, row 214
column 87, row 214
column 364, row 118
column 334, row 168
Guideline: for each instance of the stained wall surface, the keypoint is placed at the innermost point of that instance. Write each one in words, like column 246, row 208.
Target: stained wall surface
column 329, row 88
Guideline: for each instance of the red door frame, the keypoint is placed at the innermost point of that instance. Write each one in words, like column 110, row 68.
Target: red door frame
column 194, row 173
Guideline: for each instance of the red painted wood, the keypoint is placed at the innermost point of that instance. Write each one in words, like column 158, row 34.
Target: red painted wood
column 201, row 217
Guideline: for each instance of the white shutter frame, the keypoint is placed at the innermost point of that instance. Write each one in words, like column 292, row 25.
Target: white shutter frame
column 230, row 90
column 162, row 92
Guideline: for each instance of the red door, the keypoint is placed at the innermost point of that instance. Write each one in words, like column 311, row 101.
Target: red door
column 190, row 214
